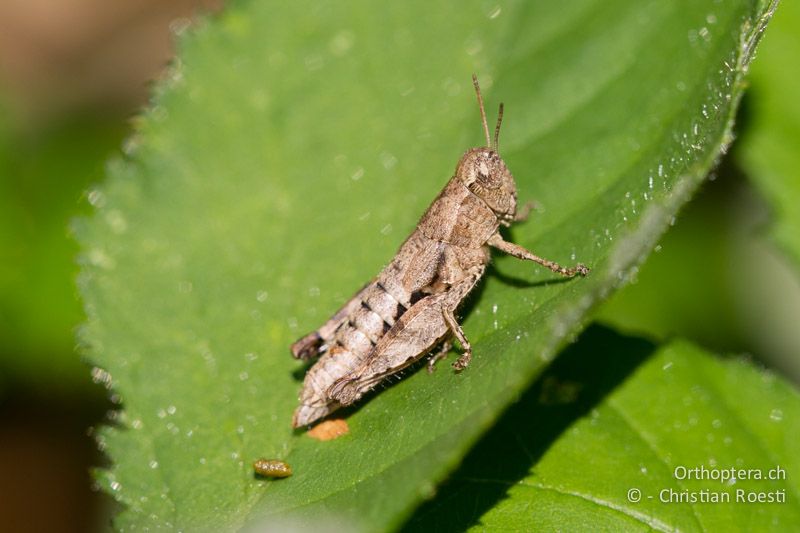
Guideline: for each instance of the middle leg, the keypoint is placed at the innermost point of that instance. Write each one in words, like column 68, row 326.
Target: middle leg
column 440, row 354
column 463, row 361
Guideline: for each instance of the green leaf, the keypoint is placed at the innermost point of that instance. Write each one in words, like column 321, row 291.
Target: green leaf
column 672, row 296
column 744, row 298
column 595, row 426
column 286, row 159
column 768, row 150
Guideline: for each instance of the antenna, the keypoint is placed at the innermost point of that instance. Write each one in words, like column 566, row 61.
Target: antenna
column 497, row 129
column 483, row 112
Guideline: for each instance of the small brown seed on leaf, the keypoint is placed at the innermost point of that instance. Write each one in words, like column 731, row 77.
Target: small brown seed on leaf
column 272, row 468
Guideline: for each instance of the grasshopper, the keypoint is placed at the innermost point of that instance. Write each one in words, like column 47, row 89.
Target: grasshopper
column 409, row 308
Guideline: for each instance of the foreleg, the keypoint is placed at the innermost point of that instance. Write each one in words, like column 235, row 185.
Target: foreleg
column 519, row 252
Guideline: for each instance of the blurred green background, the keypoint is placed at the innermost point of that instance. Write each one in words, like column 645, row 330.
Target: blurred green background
column 72, row 75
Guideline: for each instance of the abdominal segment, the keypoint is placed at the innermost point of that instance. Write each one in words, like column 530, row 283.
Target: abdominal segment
column 349, row 347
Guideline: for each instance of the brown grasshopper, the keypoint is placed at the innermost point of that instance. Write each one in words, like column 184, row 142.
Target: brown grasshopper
column 409, row 308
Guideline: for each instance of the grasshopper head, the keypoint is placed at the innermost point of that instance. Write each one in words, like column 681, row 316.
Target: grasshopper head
column 484, row 172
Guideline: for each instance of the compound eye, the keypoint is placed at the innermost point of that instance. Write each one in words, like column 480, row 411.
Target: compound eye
column 483, row 171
